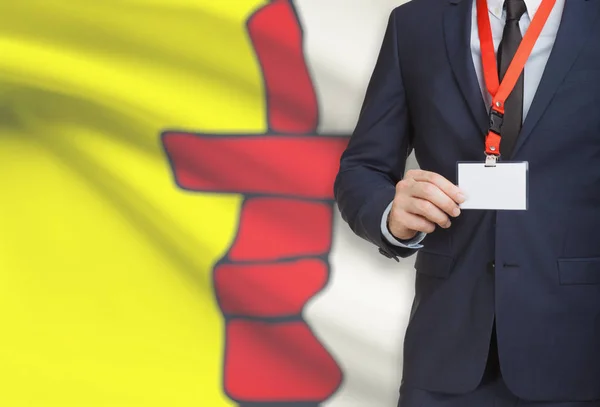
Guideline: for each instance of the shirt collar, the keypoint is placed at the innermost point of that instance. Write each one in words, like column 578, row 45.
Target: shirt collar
column 496, row 6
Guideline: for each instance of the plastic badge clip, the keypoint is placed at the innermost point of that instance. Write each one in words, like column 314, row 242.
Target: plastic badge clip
column 490, row 160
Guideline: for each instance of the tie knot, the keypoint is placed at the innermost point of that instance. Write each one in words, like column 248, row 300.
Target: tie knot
column 515, row 9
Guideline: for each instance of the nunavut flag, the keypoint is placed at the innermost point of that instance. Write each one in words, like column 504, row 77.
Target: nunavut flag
column 168, row 235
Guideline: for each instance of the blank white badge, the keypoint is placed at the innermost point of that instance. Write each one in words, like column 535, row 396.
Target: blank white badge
column 502, row 187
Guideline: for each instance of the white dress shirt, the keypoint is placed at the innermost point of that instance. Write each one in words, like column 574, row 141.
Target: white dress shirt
column 534, row 68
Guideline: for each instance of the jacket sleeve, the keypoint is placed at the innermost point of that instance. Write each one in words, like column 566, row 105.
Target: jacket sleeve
column 375, row 158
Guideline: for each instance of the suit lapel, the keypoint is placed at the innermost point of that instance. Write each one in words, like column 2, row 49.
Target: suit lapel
column 577, row 20
column 457, row 34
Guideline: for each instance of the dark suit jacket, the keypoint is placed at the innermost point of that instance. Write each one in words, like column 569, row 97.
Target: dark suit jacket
column 545, row 290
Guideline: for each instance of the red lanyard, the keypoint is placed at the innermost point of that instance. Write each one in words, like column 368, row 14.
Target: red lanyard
column 501, row 91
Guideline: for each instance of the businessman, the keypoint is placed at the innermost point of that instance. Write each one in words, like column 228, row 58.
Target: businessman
column 507, row 302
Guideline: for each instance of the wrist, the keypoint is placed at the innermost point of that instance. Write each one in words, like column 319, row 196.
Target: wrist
column 404, row 234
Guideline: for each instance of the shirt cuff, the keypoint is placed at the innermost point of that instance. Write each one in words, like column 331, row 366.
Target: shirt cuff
column 413, row 243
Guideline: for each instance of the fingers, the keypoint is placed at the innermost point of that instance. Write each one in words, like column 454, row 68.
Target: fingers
column 417, row 223
column 425, row 199
column 432, row 200
column 429, row 211
column 405, row 225
column 442, row 183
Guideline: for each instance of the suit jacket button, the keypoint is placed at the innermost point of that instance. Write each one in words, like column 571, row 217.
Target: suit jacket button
column 387, row 254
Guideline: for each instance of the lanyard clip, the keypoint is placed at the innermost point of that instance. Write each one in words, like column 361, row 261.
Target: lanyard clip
column 496, row 120
column 492, row 140
column 490, row 160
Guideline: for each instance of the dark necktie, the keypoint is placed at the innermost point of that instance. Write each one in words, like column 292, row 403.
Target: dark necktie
column 513, row 107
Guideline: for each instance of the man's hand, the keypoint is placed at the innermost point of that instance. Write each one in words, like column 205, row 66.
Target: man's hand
column 423, row 200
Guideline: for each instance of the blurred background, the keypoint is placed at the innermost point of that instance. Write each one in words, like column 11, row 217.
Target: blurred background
column 168, row 235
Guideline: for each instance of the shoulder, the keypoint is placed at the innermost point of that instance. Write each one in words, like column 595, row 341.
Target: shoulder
column 418, row 19
column 418, row 16
column 418, row 8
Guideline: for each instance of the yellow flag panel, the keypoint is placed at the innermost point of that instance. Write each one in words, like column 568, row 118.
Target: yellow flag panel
column 106, row 295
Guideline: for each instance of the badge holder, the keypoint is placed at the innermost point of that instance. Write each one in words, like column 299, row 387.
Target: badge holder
column 503, row 186
column 494, row 185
